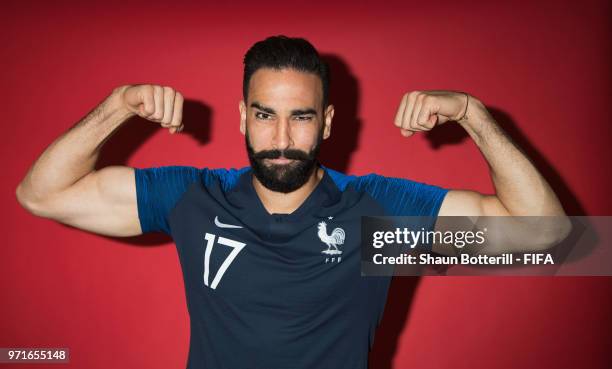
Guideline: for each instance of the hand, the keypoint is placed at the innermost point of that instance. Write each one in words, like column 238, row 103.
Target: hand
column 422, row 110
column 159, row 104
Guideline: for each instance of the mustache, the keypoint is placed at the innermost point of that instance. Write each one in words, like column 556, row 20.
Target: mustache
column 293, row 154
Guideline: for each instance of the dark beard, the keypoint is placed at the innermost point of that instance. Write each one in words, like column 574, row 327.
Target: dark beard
column 283, row 177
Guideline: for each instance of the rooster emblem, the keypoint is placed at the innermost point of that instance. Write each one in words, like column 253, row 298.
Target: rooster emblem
column 333, row 240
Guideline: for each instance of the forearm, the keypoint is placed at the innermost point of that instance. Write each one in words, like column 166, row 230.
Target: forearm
column 519, row 187
column 74, row 154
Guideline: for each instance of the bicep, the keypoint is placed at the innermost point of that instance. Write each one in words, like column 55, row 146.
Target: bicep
column 471, row 203
column 102, row 202
column 468, row 204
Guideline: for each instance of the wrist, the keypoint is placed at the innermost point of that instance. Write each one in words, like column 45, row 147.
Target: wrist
column 475, row 114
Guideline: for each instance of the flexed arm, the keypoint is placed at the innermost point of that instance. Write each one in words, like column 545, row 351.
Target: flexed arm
column 520, row 190
column 62, row 184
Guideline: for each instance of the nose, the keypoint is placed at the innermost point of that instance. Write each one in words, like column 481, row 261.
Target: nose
column 282, row 139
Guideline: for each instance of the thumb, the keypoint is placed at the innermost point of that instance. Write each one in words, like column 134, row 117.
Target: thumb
column 140, row 98
column 441, row 118
column 434, row 119
column 132, row 96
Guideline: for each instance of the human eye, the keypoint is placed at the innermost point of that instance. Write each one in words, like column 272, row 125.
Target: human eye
column 303, row 117
column 262, row 115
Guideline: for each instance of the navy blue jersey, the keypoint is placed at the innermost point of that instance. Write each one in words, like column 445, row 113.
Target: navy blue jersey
column 276, row 291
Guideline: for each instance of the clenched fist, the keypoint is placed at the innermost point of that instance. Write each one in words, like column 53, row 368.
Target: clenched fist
column 159, row 104
column 422, row 110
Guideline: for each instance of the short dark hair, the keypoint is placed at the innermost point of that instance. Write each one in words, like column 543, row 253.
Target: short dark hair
column 279, row 52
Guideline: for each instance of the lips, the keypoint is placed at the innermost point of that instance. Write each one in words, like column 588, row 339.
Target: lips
column 280, row 160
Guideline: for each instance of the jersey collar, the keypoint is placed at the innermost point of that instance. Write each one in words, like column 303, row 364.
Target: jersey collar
column 323, row 201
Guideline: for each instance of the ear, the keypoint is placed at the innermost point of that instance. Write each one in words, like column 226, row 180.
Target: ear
column 243, row 115
column 328, row 116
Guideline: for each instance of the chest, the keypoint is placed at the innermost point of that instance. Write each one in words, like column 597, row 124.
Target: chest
column 295, row 263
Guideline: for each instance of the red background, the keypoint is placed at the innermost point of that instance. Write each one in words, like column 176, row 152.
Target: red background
column 542, row 68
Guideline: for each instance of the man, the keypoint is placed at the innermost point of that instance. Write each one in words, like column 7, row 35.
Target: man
column 270, row 253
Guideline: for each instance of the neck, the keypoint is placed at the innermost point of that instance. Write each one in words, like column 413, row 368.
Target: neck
column 287, row 203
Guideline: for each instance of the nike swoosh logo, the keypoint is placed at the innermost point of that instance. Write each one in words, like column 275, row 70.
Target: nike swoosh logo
column 223, row 225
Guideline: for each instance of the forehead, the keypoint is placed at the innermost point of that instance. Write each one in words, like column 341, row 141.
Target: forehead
column 285, row 88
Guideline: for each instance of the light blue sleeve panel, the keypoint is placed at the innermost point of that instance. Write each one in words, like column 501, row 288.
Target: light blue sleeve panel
column 159, row 189
column 403, row 197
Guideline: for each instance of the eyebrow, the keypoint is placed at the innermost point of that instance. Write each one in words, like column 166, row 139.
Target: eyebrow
column 293, row 112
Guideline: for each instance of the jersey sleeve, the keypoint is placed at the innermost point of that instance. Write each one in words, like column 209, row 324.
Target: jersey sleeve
column 419, row 202
column 157, row 192
column 404, row 197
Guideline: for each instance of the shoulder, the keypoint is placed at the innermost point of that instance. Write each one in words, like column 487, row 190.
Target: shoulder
column 158, row 190
column 371, row 182
column 227, row 177
column 399, row 196
column 182, row 176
